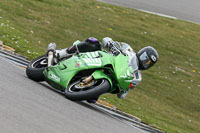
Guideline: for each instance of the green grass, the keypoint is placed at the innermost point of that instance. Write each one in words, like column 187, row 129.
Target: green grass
column 169, row 95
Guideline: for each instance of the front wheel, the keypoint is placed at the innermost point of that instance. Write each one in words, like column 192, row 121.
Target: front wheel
column 36, row 67
column 78, row 91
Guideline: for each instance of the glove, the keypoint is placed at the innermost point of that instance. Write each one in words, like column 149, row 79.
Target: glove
column 107, row 42
column 112, row 46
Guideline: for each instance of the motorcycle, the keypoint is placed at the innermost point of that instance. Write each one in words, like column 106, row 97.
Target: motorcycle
column 84, row 76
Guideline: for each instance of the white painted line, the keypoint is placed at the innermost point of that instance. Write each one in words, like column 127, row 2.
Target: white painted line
column 159, row 14
column 14, row 59
column 12, row 63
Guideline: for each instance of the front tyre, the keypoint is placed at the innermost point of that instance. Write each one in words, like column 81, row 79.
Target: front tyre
column 36, row 67
column 78, row 92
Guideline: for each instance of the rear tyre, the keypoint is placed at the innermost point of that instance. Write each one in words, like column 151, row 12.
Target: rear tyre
column 36, row 67
column 76, row 93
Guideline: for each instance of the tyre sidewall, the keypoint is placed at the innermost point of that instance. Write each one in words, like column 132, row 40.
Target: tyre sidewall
column 35, row 74
column 93, row 93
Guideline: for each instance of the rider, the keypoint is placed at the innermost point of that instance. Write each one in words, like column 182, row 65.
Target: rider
column 143, row 60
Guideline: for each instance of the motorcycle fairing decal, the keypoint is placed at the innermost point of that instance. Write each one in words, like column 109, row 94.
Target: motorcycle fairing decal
column 127, row 74
column 92, row 59
column 54, row 77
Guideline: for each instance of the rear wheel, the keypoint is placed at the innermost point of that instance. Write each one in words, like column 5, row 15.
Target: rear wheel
column 36, row 67
column 78, row 91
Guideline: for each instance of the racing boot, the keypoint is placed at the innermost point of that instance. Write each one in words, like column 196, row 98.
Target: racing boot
column 92, row 100
column 51, row 48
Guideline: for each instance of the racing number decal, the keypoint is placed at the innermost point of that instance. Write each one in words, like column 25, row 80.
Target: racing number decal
column 92, row 59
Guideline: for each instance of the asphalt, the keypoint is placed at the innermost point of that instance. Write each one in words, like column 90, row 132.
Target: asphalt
column 188, row 10
column 30, row 107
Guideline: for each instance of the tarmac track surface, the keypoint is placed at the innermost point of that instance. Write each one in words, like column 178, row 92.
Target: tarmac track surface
column 188, row 10
column 30, row 107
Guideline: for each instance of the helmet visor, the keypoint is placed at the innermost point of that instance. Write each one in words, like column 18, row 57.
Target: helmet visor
column 145, row 60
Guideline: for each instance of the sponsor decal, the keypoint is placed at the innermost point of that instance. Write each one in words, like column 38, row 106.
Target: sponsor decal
column 123, row 76
column 55, row 77
column 128, row 73
column 78, row 64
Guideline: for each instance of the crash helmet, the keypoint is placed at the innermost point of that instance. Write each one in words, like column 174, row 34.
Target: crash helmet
column 147, row 57
column 92, row 40
column 89, row 45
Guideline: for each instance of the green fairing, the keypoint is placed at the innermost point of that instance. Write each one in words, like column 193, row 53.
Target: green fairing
column 60, row 75
column 98, row 74
column 121, row 69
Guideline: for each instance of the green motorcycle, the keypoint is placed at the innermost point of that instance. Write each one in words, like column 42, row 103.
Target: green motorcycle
column 84, row 76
